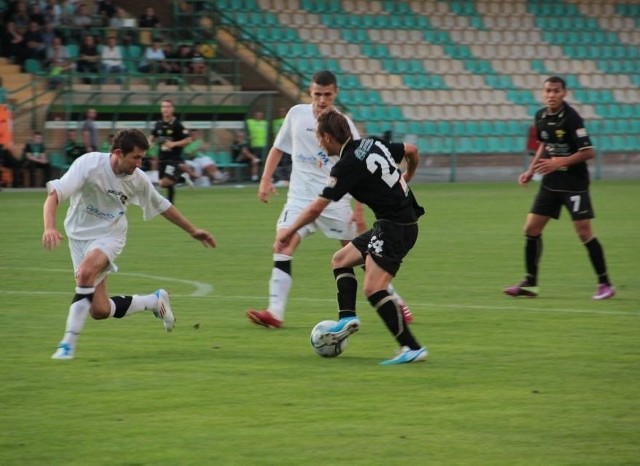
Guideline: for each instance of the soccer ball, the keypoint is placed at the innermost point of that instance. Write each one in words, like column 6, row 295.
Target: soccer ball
column 323, row 349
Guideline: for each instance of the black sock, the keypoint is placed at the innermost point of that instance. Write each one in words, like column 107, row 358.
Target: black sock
column 392, row 318
column 347, row 289
column 532, row 254
column 122, row 305
column 596, row 254
column 171, row 193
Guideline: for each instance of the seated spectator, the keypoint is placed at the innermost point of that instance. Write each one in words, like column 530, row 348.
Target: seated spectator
column 111, row 58
column 17, row 24
column 184, row 58
column 148, row 19
column 34, row 47
column 9, row 162
column 197, row 65
column 107, row 10
column 81, row 18
column 53, row 13
column 120, row 19
column 89, row 58
column 58, row 63
column 204, row 169
column 154, row 60
column 105, row 146
column 72, row 148
column 241, row 153
column 36, row 160
column 36, row 14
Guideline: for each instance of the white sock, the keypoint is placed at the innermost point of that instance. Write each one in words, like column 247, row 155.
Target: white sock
column 279, row 287
column 78, row 312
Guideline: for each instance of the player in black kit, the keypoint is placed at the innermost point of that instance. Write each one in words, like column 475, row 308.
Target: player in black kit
column 172, row 137
column 368, row 170
column 562, row 160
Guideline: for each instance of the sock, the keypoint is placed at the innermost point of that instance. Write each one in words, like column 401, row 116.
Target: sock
column 279, row 285
column 123, row 306
column 383, row 303
column 532, row 254
column 78, row 312
column 347, row 290
column 171, row 193
column 596, row 254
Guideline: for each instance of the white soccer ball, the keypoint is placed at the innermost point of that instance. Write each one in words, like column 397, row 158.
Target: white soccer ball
column 320, row 347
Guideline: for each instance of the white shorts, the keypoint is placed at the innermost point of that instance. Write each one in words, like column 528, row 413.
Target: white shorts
column 111, row 247
column 335, row 221
column 200, row 163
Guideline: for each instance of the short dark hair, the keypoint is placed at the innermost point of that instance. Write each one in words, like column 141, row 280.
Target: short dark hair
column 556, row 80
column 324, row 78
column 128, row 139
column 335, row 124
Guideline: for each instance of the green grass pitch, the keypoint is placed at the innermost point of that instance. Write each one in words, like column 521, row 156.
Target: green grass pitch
column 546, row 381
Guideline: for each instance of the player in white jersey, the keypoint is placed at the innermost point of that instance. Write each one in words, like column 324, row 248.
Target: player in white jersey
column 100, row 187
column 310, row 168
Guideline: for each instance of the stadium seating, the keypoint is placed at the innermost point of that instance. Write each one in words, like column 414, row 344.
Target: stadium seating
column 406, row 66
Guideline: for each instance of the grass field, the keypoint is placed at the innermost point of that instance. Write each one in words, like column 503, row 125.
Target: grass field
column 546, row 381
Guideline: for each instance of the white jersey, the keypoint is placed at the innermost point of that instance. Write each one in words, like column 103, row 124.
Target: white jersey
column 310, row 164
column 99, row 198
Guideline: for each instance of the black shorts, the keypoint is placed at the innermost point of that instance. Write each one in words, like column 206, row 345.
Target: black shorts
column 549, row 203
column 169, row 169
column 387, row 243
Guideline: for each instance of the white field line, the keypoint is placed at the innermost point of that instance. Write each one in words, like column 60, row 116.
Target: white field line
column 205, row 290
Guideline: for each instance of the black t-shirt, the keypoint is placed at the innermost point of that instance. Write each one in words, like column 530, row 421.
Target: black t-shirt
column 368, row 170
column 170, row 131
column 563, row 134
column 237, row 149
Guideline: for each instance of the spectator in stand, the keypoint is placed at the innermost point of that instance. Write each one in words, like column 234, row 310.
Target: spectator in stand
column 111, row 58
column 48, row 34
column 107, row 10
column 16, row 27
column 35, row 160
column 154, row 60
column 172, row 61
column 200, row 163
column 89, row 59
column 9, row 162
column 258, row 132
column 53, row 13
column 197, row 65
column 81, row 18
column 35, row 48
column 90, row 131
column 72, row 148
column 241, row 153
column 68, row 10
column 184, row 57
column 105, row 146
column 36, row 13
column 58, row 62
column 149, row 19
column 119, row 20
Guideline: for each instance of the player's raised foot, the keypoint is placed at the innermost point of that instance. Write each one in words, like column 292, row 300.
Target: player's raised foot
column 163, row 311
column 264, row 318
column 407, row 355
column 604, row 291
column 64, row 351
column 406, row 313
column 343, row 328
column 522, row 289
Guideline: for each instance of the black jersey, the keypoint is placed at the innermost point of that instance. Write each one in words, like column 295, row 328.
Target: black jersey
column 368, row 170
column 563, row 134
column 170, row 131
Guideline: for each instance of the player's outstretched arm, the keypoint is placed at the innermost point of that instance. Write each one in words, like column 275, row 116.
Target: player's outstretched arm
column 51, row 237
column 174, row 216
